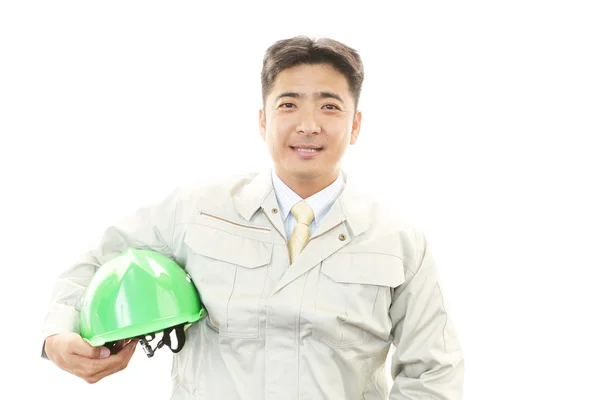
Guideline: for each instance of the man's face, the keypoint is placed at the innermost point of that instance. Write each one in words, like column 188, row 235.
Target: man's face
column 309, row 106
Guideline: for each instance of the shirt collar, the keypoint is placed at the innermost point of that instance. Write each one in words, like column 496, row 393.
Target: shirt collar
column 255, row 191
column 320, row 202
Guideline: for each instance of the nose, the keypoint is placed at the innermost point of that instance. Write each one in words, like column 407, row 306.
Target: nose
column 308, row 123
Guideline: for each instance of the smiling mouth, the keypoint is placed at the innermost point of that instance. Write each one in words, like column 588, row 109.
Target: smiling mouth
column 306, row 150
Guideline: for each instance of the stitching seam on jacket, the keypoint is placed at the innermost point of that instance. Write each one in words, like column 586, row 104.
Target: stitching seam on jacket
column 258, row 228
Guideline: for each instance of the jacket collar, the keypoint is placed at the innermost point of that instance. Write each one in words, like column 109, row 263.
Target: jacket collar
column 351, row 206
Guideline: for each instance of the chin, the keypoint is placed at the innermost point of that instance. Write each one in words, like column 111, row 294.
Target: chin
column 308, row 173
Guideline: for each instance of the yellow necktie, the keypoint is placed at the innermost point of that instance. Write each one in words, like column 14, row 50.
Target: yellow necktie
column 301, row 234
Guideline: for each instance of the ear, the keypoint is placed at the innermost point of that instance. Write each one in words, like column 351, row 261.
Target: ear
column 262, row 123
column 356, row 127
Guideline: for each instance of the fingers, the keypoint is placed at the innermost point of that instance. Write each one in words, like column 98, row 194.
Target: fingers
column 101, row 368
column 93, row 369
column 81, row 348
column 72, row 354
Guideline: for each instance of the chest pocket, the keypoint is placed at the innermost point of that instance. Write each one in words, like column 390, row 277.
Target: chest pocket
column 353, row 297
column 228, row 263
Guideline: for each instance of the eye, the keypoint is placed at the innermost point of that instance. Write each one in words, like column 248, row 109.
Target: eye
column 334, row 107
column 286, row 104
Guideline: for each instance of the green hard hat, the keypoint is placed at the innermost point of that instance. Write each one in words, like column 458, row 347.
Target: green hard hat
column 137, row 294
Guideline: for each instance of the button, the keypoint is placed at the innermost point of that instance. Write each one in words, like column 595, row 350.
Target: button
column 342, row 237
column 274, row 211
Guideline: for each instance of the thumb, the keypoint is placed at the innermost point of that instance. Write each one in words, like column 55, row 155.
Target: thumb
column 104, row 352
column 87, row 350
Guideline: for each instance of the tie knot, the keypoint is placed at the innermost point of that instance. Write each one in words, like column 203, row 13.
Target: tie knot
column 303, row 213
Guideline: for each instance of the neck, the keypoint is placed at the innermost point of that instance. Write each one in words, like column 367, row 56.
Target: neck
column 306, row 187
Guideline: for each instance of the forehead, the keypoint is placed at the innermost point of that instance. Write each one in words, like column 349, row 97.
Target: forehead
column 309, row 79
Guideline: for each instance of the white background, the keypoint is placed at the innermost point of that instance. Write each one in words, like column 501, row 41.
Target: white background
column 480, row 121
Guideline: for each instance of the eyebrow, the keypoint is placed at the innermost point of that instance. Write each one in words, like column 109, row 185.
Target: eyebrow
column 317, row 95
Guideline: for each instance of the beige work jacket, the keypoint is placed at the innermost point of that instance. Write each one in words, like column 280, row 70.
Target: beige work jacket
column 320, row 328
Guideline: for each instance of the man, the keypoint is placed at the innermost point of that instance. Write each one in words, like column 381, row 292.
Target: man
column 307, row 282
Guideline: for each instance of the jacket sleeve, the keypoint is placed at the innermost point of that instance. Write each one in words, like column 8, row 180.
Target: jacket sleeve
column 150, row 227
column 428, row 361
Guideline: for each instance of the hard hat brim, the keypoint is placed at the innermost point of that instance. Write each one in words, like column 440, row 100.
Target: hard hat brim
column 134, row 331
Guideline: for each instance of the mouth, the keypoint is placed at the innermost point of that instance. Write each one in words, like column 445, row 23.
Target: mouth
column 300, row 148
column 306, row 152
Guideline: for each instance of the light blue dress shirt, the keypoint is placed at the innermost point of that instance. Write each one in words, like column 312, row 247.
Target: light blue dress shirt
column 320, row 202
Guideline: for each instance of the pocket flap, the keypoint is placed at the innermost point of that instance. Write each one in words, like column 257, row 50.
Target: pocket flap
column 365, row 268
column 218, row 244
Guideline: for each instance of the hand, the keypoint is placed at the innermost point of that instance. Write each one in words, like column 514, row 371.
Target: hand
column 71, row 353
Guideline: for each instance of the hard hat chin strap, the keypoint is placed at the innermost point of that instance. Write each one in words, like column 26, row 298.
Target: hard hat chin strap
column 165, row 340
